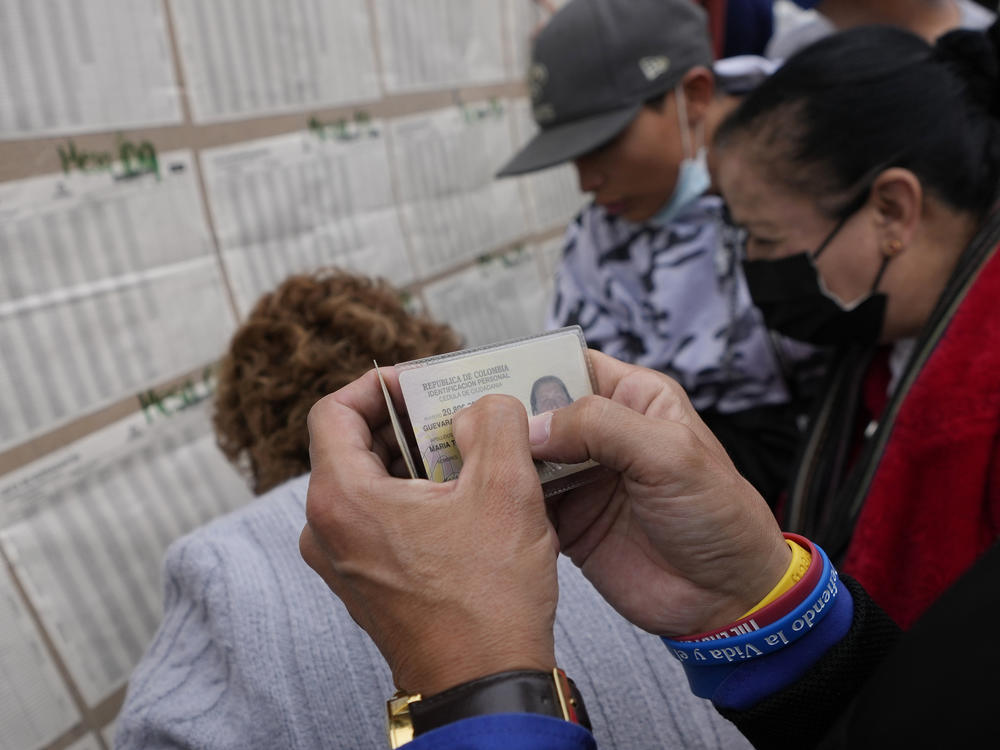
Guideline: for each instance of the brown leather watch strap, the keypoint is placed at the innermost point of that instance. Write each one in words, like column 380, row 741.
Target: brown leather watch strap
column 521, row 691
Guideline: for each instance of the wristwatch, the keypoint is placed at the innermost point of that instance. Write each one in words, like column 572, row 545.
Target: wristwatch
column 521, row 691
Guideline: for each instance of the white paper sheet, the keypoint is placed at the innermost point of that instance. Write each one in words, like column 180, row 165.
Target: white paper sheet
column 69, row 66
column 35, row 706
column 294, row 203
column 429, row 44
column 108, row 733
column 495, row 300
column 108, row 285
column 524, row 19
column 257, row 57
column 549, row 255
column 86, row 528
column 87, row 742
column 553, row 194
column 453, row 208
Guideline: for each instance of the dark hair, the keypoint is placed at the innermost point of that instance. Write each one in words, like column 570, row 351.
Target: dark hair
column 545, row 380
column 312, row 335
column 657, row 102
column 876, row 97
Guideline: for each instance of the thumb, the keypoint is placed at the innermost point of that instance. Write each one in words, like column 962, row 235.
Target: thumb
column 648, row 451
column 492, row 437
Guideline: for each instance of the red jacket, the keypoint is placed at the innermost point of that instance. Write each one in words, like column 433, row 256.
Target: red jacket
column 933, row 505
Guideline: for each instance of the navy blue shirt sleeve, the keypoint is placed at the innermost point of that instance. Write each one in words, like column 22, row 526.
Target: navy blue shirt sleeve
column 507, row 732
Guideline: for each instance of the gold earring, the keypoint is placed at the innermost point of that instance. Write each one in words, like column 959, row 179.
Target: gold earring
column 893, row 248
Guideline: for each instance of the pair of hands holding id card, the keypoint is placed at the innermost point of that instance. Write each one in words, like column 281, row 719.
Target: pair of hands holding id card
column 455, row 580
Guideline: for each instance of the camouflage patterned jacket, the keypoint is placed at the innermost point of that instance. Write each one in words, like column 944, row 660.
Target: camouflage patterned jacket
column 674, row 299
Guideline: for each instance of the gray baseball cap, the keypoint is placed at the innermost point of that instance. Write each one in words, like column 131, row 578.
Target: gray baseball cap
column 596, row 62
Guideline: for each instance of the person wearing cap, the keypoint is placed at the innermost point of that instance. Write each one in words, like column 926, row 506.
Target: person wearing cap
column 927, row 18
column 649, row 269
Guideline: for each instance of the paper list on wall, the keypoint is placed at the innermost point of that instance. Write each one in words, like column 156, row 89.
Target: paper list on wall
column 86, row 529
column 549, row 254
column 494, row 300
column 35, row 707
column 428, row 44
column 553, row 194
column 453, row 207
column 87, row 742
column 80, row 65
column 524, row 19
column 108, row 285
column 256, row 57
column 108, row 733
column 294, row 203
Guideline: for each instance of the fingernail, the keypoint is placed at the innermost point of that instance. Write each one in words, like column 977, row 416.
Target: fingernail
column 539, row 428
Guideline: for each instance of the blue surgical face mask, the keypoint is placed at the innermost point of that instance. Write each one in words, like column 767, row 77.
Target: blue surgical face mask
column 693, row 178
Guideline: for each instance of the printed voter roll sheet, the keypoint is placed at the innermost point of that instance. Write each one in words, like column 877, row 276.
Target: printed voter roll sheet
column 35, row 707
column 110, row 284
column 108, row 733
column 453, row 208
column 86, row 529
column 524, row 19
column 549, row 255
column 84, row 65
column 497, row 299
column 88, row 742
column 294, row 203
column 431, row 44
column 260, row 57
column 553, row 194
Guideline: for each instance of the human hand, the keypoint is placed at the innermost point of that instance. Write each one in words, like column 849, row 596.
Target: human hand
column 676, row 540
column 452, row 581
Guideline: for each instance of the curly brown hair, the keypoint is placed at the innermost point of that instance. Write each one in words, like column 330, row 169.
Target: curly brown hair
column 312, row 335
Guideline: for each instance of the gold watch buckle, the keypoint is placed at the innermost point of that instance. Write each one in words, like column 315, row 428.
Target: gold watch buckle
column 564, row 694
column 399, row 723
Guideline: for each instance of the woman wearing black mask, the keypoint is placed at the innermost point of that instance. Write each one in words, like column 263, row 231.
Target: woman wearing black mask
column 865, row 172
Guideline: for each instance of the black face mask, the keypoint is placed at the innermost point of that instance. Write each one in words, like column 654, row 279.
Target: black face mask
column 790, row 295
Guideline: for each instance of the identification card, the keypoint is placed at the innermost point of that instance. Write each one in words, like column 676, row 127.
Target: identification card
column 544, row 372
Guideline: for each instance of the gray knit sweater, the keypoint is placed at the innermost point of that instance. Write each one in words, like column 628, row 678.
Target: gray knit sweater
column 255, row 652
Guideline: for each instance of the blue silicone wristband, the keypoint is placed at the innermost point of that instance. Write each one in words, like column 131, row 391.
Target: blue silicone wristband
column 754, row 680
column 743, row 683
column 777, row 635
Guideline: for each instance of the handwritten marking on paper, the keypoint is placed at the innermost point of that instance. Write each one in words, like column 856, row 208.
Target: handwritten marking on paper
column 167, row 402
column 492, row 109
column 344, row 129
column 135, row 159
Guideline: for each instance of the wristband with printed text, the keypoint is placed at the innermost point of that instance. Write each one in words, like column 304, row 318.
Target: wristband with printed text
column 769, row 639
